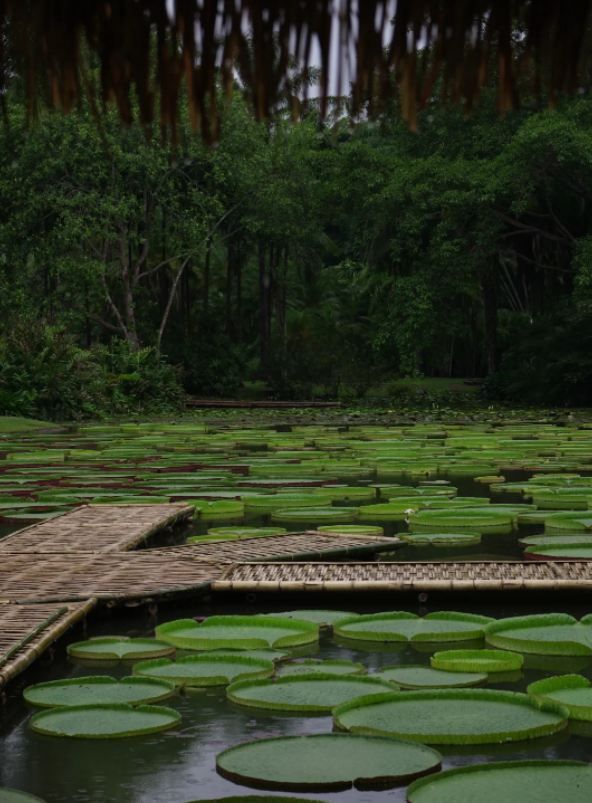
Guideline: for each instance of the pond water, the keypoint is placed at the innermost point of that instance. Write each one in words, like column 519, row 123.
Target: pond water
column 179, row 765
column 122, row 463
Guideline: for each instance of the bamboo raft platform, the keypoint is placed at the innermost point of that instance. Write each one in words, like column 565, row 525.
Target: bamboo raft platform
column 310, row 545
column 96, row 528
column 26, row 631
column 491, row 576
column 112, row 577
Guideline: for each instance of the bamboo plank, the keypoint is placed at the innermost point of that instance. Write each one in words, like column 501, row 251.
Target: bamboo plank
column 96, row 528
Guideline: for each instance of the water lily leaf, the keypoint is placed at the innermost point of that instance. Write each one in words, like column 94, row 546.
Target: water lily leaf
column 238, row 632
column 542, row 634
column 97, row 690
column 572, row 691
column 205, row 670
column 15, row 796
column 104, row 721
column 452, row 716
column 515, row 780
column 477, row 661
column 331, row 666
column 330, row 762
column 109, row 648
column 403, row 626
column 426, row 677
column 313, row 693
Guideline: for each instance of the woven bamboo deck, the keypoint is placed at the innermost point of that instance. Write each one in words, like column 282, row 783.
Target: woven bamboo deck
column 110, row 577
column 401, row 577
column 96, row 528
column 293, row 546
column 26, row 631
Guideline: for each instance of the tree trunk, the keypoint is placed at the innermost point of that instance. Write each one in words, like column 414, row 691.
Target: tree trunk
column 489, row 281
column 264, row 311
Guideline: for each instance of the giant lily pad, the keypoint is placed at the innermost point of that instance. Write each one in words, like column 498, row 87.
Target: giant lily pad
column 452, row 716
column 314, row 693
column 253, row 799
column 331, row 666
column 105, row 721
column 403, row 626
column 314, row 515
column 238, row 632
column 441, row 539
column 319, row 617
column 481, row 520
column 426, row 677
column 205, row 670
column 97, row 690
column 560, row 552
column 246, row 532
column 109, row 648
column 352, row 529
column 568, row 522
column 477, row 661
column 542, row 634
column 327, row 761
column 524, row 781
column 572, row 691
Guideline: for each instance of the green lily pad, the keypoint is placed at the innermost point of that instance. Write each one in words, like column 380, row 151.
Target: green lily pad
column 542, row 634
column 568, row 522
column 452, row 716
column 314, row 515
column 109, row 648
column 481, row 521
column 403, row 626
column 388, row 511
column 246, row 532
column 426, row 677
column 205, row 670
column 220, row 510
column 557, row 552
column 477, row 661
column 352, row 529
column 97, row 690
column 441, row 539
column 254, row 799
column 556, row 540
column 327, row 761
column 104, row 721
column 15, row 796
column 319, row 617
column 523, row 781
column 572, row 691
column 331, row 666
column 313, row 693
column 238, row 632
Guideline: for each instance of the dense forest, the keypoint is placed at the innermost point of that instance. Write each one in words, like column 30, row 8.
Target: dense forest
column 324, row 259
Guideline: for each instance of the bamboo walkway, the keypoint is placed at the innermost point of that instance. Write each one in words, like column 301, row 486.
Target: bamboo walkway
column 96, row 528
column 309, row 545
column 402, row 577
column 26, row 631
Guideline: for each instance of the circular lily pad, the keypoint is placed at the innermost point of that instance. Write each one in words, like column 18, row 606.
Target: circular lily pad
column 97, row 690
column 481, row 520
column 238, row 632
column 441, row 539
column 557, row 552
column 314, row 515
column 205, row 670
column 403, row 626
column 352, row 529
column 523, row 781
column 568, row 522
column 122, row 648
column 16, row 796
column 477, row 661
column 314, row 693
column 223, row 510
column 542, row 634
column 327, row 761
column 246, row 532
column 556, row 540
column 452, row 716
column 426, row 677
column 105, row 721
column 387, row 511
column 572, row 691
column 331, row 666
column 319, row 617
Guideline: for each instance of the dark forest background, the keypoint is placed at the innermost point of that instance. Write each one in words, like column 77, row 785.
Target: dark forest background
column 324, row 259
